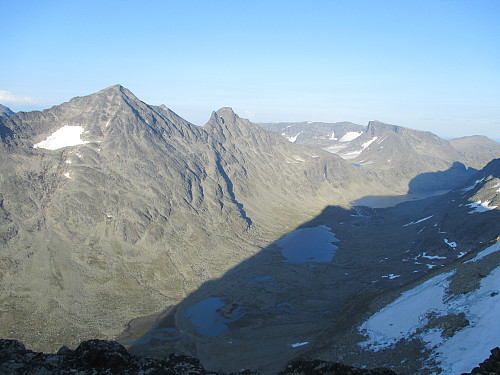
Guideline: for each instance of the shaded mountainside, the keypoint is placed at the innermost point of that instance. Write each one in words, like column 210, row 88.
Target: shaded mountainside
column 445, row 320
column 140, row 210
column 279, row 305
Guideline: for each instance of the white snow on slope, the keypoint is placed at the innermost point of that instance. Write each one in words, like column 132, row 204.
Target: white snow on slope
column 366, row 144
column 418, row 221
column 489, row 250
column 350, row 136
column 424, row 255
column 497, row 185
column 294, row 138
column 450, row 244
column 64, row 137
column 410, row 312
column 356, row 153
column 471, row 187
column 391, row 276
column 480, row 207
column 299, row 344
column 350, row 155
column 404, row 316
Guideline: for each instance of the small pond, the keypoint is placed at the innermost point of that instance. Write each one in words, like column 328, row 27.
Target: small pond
column 205, row 316
column 308, row 245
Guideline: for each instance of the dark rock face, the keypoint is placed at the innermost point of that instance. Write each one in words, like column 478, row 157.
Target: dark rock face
column 91, row 357
column 318, row 367
column 109, row 357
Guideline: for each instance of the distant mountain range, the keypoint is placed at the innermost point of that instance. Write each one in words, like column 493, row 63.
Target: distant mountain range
column 120, row 219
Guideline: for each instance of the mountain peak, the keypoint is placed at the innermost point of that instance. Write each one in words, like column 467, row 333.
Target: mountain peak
column 227, row 115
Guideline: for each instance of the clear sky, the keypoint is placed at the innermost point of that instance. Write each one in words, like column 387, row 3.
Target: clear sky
column 431, row 65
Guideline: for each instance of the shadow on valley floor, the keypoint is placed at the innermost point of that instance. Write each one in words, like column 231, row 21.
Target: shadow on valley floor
column 424, row 186
column 273, row 306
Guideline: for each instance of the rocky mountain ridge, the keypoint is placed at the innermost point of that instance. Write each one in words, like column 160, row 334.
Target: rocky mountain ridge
column 113, row 211
column 150, row 205
column 384, row 148
column 5, row 111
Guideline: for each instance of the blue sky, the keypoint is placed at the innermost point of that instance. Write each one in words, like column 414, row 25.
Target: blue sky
column 430, row 65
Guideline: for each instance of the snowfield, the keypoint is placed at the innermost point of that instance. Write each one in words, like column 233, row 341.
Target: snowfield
column 407, row 318
column 64, row 137
column 480, row 207
column 350, row 136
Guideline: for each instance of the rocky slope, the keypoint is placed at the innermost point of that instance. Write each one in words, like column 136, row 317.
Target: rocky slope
column 227, row 242
column 275, row 305
column 5, row 111
column 109, row 357
column 444, row 321
column 136, row 208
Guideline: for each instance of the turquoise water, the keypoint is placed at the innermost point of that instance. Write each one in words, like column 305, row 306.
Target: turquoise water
column 309, row 245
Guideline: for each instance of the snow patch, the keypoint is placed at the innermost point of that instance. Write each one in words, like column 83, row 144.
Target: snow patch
column 335, row 149
column 391, row 276
column 299, row 344
column 64, row 137
column 471, row 187
column 404, row 316
column 411, row 312
column 366, row 144
column 350, row 136
column 424, row 255
column 497, row 185
column 453, row 245
column 350, row 155
column 293, row 139
column 489, row 250
column 480, row 207
column 418, row 221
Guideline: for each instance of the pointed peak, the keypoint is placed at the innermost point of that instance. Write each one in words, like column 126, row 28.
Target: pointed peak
column 116, row 89
column 226, row 114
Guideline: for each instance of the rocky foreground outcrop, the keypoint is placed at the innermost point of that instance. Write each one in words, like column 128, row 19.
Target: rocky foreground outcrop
column 109, row 357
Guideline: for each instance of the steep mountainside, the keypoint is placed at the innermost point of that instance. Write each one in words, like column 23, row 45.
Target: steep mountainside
column 280, row 302
column 5, row 111
column 445, row 320
column 113, row 209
